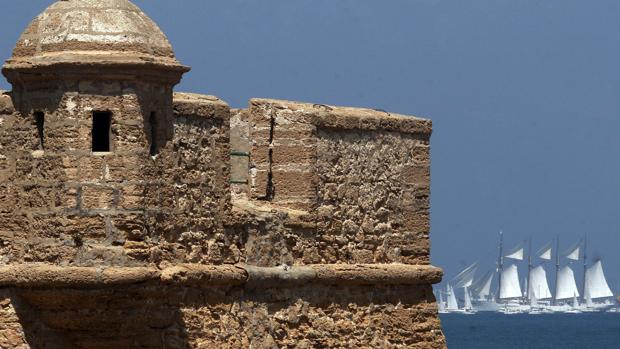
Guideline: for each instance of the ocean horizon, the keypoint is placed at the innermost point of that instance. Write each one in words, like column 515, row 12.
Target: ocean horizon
column 491, row 330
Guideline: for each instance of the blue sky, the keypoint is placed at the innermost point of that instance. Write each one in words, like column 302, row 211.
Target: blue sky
column 524, row 96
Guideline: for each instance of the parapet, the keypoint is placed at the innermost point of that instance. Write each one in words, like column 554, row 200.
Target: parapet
column 345, row 118
column 298, row 148
column 199, row 105
column 359, row 179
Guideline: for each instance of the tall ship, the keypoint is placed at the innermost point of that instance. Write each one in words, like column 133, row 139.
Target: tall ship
column 502, row 290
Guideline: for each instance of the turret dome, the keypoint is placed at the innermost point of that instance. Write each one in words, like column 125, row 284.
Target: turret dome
column 93, row 32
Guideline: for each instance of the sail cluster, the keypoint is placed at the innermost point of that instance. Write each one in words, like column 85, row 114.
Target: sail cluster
column 535, row 291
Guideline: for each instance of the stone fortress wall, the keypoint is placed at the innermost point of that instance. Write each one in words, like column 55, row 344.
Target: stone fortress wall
column 284, row 225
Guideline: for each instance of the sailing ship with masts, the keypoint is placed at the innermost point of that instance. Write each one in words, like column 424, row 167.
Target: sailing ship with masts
column 462, row 281
column 533, row 295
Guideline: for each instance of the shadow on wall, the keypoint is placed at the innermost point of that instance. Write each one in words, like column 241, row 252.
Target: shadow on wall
column 152, row 316
column 130, row 317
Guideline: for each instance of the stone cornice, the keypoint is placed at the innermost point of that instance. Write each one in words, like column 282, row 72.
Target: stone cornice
column 49, row 276
column 348, row 118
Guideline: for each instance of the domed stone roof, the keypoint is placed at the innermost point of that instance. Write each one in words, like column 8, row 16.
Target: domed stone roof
column 92, row 32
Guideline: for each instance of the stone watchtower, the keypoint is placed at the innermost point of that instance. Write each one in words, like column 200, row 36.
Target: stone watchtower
column 135, row 217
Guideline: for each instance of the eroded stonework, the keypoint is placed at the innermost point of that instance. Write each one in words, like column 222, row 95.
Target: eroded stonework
column 135, row 217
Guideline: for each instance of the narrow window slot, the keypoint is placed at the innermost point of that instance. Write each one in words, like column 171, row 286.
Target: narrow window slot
column 102, row 122
column 39, row 118
column 154, row 126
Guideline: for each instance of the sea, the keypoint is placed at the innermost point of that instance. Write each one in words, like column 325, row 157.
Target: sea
column 490, row 330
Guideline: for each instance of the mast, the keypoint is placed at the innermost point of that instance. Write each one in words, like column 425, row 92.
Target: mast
column 585, row 265
column 529, row 272
column 557, row 269
column 500, row 265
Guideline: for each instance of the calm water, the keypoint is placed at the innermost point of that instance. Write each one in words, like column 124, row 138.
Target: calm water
column 565, row 331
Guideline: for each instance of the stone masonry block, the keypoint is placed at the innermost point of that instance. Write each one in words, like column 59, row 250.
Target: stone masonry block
column 82, row 168
column 66, row 198
column 132, row 196
column 294, row 184
column 98, row 197
column 35, row 197
column 293, row 154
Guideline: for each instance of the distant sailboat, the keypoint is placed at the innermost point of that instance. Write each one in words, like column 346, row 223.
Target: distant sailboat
column 452, row 303
column 468, row 305
column 464, row 280
column 442, row 305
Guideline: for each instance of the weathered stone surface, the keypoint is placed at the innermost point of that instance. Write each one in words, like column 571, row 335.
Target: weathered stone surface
column 50, row 276
column 6, row 105
column 135, row 217
column 79, row 31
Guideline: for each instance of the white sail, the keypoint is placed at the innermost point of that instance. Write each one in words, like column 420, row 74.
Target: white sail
column 481, row 289
column 596, row 285
column 545, row 253
column 442, row 306
column 468, row 304
column 573, row 254
column 466, row 277
column 518, row 254
column 567, row 287
column 452, row 304
column 510, row 287
column 538, row 285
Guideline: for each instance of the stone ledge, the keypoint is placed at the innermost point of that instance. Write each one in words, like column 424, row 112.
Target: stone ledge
column 204, row 106
column 348, row 118
column 48, row 276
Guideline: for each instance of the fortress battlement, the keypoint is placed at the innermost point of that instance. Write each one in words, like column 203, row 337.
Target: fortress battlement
column 132, row 216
